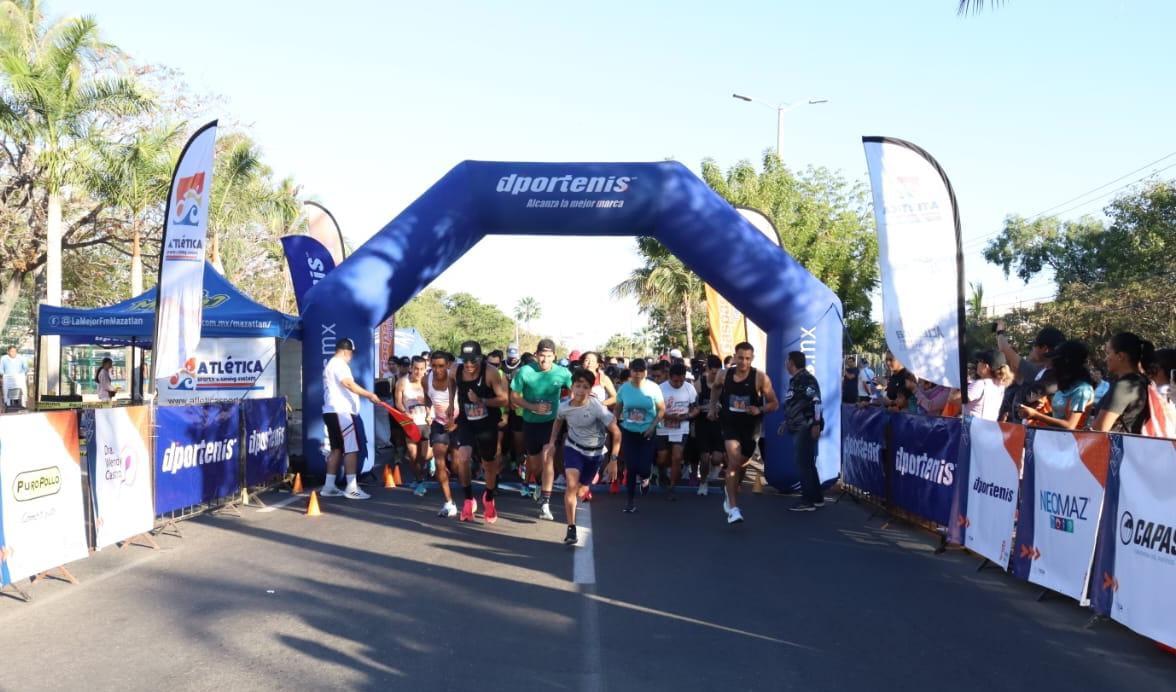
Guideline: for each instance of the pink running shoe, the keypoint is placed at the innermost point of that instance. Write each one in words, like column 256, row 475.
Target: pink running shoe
column 467, row 510
column 587, row 496
column 489, row 511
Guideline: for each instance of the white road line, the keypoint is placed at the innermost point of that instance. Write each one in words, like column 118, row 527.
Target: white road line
column 280, row 504
column 583, row 559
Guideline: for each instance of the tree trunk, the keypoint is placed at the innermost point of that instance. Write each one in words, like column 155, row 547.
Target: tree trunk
column 136, row 264
column 51, row 355
column 689, row 326
column 9, row 294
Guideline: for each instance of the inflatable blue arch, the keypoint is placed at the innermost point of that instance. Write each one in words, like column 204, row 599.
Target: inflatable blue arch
column 661, row 200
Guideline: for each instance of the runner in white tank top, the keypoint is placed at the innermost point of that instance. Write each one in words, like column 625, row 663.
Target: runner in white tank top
column 439, row 386
column 411, row 399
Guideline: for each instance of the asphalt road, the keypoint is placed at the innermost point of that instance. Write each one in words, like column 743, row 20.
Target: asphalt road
column 383, row 595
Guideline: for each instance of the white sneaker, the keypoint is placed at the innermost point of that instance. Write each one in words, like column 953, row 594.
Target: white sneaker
column 726, row 502
column 545, row 512
column 330, row 490
column 734, row 516
column 354, row 493
column 703, row 488
column 448, row 510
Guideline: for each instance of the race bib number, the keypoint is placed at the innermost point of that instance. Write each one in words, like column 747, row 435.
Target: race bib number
column 544, row 408
column 635, row 415
column 739, row 404
column 671, row 424
column 475, row 411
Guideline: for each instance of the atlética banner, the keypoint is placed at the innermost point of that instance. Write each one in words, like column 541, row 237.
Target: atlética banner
column 921, row 257
column 42, row 520
column 265, row 439
column 197, row 454
column 863, row 440
column 1063, row 485
column 1135, row 568
column 987, row 510
column 927, row 464
column 118, row 455
column 180, row 305
column 309, row 261
column 224, row 369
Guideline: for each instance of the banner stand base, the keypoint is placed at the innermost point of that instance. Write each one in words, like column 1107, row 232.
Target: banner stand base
column 1042, row 596
column 249, row 498
column 162, row 529
column 20, row 593
column 149, row 542
column 232, row 507
column 942, row 548
column 984, row 564
column 1094, row 620
column 63, row 575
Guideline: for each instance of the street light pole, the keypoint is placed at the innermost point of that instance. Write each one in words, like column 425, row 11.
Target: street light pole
column 781, row 109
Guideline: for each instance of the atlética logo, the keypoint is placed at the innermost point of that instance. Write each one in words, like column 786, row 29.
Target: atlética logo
column 189, row 200
column 184, row 380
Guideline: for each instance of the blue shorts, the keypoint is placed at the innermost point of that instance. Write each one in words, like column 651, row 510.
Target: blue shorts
column 579, row 461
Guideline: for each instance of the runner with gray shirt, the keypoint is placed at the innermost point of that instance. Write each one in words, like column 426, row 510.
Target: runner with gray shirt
column 589, row 424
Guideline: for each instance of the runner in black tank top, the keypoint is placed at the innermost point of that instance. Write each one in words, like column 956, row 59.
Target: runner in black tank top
column 744, row 396
column 481, row 392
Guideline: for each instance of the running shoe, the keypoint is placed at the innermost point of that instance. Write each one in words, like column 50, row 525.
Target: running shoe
column 432, row 468
column 644, row 485
column 467, row 510
column 630, row 509
column 536, row 492
column 420, row 489
column 448, row 510
column 330, row 490
column 570, row 539
column 587, row 496
column 524, row 489
column 803, row 507
column 545, row 512
column 703, row 488
column 489, row 510
column 726, row 502
column 735, row 516
column 354, row 493
column 819, row 503
column 614, row 487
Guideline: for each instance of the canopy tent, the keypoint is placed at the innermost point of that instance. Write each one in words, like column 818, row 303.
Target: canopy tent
column 409, row 342
column 227, row 313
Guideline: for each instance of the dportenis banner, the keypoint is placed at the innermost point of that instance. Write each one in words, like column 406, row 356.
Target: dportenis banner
column 925, row 456
column 119, row 460
column 1062, row 489
column 197, row 454
column 42, row 520
column 986, row 515
column 1135, row 566
column 265, row 439
column 863, row 441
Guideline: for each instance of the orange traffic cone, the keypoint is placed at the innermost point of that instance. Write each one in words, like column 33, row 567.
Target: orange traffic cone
column 396, row 475
column 297, row 489
column 389, row 480
column 312, row 508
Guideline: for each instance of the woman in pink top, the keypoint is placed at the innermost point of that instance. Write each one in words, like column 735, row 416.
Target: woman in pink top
column 986, row 392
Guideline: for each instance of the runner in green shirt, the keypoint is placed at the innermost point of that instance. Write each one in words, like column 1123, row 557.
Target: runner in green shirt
column 536, row 389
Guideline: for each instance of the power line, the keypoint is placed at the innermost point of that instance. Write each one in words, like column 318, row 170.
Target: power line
column 1107, row 184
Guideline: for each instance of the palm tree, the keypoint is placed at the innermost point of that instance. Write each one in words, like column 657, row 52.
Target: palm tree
column 975, row 6
column 664, row 282
column 56, row 101
column 526, row 309
column 976, row 301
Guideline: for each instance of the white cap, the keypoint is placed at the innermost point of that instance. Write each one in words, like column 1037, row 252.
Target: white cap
column 689, row 376
column 675, row 353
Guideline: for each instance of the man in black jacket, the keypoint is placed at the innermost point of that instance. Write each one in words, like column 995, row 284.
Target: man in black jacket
column 802, row 420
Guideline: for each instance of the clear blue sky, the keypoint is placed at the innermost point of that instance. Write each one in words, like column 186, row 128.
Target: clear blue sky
column 367, row 104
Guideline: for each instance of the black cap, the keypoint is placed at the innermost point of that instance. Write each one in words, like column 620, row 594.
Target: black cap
column 471, row 350
column 545, row 345
column 637, row 364
column 1049, row 337
column 344, row 344
column 995, row 359
column 1069, row 352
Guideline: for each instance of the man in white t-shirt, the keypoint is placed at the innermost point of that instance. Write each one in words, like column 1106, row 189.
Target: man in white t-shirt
column 341, row 415
column 866, row 386
column 14, row 374
column 681, row 406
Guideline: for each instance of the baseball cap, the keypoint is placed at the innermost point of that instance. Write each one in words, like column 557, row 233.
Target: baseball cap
column 1049, row 337
column 471, row 351
column 995, row 359
column 545, row 345
column 675, row 353
column 512, row 352
column 344, row 344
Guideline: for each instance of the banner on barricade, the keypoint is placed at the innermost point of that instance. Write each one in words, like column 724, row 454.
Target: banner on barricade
column 119, row 459
column 863, row 441
column 224, row 369
column 925, row 451
column 197, row 454
column 1063, row 484
column 985, row 516
column 42, row 520
column 1135, row 567
column 265, row 439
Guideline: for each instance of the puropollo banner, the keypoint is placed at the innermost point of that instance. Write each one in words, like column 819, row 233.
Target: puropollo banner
column 1135, row 568
column 42, row 520
column 120, row 465
column 1063, row 485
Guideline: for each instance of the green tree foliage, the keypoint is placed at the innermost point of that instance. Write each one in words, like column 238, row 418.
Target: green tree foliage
column 669, row 293
column 445, row 320
column 824, row 221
